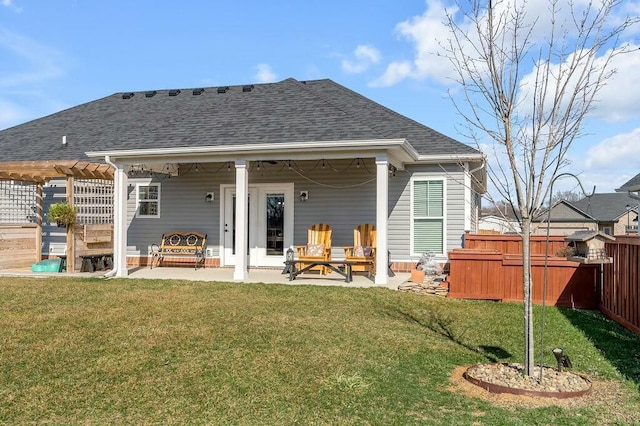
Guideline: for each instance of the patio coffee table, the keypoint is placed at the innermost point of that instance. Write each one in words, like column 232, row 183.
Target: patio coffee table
column 334, row 265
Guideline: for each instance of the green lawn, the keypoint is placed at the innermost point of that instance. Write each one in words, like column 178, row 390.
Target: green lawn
column 175, row 352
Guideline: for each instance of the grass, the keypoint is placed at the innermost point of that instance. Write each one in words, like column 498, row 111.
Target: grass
column 176, row 352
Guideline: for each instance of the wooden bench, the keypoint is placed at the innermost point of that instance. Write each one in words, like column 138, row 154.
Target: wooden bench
column 95, row 262
column 180, row 244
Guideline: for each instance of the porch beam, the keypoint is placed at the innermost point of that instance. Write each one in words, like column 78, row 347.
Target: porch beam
column 382, row 217
column 242, row 209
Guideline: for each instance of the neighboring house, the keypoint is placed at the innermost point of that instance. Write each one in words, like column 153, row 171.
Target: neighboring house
column 498, row 224
column 611, row 213
column 254, row 166
column 632, row 188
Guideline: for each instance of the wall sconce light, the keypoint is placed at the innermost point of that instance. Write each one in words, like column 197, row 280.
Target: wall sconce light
column 210, row 197
column 304, row 196
column 562, row 358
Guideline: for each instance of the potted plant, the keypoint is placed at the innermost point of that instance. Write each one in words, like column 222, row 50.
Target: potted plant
column 62, row 213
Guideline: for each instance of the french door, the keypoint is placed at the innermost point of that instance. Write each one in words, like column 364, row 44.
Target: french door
column 269, row 222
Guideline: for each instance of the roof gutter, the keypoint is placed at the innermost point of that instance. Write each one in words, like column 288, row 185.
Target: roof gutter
column 452, row 157
column 357, row 145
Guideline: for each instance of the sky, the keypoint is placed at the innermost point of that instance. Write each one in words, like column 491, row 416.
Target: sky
column 56, row 54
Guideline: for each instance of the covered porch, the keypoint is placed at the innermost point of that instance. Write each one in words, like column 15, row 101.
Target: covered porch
column 237, row 180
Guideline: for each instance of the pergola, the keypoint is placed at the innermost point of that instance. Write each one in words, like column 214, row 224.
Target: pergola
column 40, row 172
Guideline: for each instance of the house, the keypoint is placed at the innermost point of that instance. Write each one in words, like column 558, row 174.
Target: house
column 498, row 224
column 632, row 188
column 253, row 166
column 610, row 213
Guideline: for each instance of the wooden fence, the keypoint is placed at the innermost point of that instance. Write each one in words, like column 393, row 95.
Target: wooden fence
column 621, row 288
column 493, row 275
column 512, row 243
column 490, row 267
column 18, row 245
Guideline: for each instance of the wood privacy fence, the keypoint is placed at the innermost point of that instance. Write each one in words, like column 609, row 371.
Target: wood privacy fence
column 18, row 245
column 621, row 288
column 490, row 267
column 512, row 243
column 493, row 275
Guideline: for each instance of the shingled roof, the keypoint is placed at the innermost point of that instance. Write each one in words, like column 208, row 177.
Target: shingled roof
column 275, row 113
column 606, row 207
column 632, row 185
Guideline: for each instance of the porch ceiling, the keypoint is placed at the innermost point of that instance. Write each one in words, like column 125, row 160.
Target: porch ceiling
column 42, row 171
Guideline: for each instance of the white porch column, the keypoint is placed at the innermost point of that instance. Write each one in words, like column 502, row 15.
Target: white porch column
column 382, row 216
column 242, row 207
column 120, row 186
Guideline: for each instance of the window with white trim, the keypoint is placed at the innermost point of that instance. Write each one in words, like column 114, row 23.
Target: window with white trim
column 148, row 200
column 427, row 216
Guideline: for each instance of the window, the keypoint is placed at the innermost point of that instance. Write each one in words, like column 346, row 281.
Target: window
column 148, row 200
column 427, row 216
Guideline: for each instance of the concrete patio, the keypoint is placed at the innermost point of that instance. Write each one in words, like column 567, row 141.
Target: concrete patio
column 268, row 276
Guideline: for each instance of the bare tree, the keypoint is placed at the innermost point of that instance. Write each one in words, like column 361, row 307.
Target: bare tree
column 569, row 195
column 525, row 85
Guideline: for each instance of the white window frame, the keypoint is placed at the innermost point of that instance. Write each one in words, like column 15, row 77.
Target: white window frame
column 423, row 178
column 139, row 201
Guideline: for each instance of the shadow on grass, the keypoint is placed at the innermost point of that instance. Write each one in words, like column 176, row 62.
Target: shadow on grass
column 617, row 344
column 441, row 323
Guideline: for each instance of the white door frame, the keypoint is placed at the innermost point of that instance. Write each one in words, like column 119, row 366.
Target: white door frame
column 257, row 223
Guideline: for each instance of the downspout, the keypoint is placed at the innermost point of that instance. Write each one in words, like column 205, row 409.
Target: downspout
column 470, row 173
column 116, row 239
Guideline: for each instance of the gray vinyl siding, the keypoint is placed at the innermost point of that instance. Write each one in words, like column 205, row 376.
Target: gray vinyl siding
column 340, row 195
column 400, row 208
column 54, row 238
column 182, row 208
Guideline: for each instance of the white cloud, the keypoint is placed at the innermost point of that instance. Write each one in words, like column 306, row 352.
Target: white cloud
column 620, row 151
column 42, row 62
column 365, row 56
column 265, row 74
column 619, row 99
column 428, row 32
column 423, row 32
column 11, row 4
column 395, row 73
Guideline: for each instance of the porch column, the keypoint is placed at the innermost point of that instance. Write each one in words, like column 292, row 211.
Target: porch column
column 120, row 189
column 242, row 208
column 382, row 216
column 71, row 249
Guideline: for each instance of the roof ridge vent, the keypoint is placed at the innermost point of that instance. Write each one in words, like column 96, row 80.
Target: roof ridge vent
column 248, row 88
column 174, row 92
column 150, row 94
column 198, row 91
column 223, row 89
column 128, row 95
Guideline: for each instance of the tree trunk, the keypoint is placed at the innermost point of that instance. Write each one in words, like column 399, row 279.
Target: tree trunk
column 527, row 296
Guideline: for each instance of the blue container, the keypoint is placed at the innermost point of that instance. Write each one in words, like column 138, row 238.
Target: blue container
column 49, row 265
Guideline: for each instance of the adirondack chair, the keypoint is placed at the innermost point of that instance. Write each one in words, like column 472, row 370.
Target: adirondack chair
column 363, row 250
column 318, row 247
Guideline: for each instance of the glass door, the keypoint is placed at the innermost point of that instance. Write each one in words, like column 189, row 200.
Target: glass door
column 270, row 224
